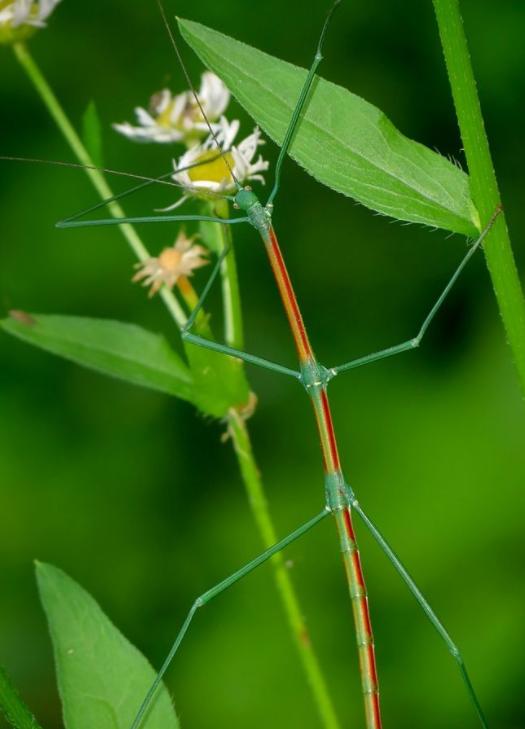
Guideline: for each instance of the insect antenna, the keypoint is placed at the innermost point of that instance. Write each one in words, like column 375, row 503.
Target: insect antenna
column 161, row 179
column 146, row 181
column 194, row 92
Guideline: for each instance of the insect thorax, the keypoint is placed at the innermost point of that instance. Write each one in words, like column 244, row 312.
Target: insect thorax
column 258, row 215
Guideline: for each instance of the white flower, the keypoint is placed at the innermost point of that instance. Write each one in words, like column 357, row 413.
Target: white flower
column 210, row 170
column 178, row 118
column 178, row 260
column 25, row 12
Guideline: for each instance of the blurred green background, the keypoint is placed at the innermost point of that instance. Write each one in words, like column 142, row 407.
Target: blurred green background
column 137, row 498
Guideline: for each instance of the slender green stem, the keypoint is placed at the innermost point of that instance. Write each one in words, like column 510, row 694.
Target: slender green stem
column 483, row 182
column 12, row 706
column 97, row 178
column 259, row 507
column 231, row 299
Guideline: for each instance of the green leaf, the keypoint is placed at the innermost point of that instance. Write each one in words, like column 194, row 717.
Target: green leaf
column 92, row 134
column 102, row 677
column 343, row 141
column 220, row 380
column 114, row 348
column 12, row 707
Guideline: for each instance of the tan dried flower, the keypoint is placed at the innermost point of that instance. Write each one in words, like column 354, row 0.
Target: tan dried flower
column 174, row 262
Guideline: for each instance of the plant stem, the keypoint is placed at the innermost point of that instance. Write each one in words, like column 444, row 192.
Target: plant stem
column 233, row 331
column 483, row 182
column 12, row 706
column 97, row 178
column 261, row 514
column 237, row 425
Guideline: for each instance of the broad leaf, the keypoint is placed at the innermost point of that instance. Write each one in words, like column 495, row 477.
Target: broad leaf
column 102, row 677
column 92, row 134
column 343, row 141
column 120, row 350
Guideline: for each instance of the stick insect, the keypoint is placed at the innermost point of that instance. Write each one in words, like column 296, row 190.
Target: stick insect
column 341, row 501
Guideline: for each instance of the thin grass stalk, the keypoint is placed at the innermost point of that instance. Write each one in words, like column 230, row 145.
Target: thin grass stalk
column 237, row 426
column 483, row 181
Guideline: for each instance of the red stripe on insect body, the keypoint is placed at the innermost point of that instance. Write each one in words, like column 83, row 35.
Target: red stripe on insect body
column 376, row 710
column 288, row 297
column 330, row 430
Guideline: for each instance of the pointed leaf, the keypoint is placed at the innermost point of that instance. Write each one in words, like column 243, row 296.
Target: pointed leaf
column 114, row 348
column 92, row 134
column 16, row 713
column 102, row 677
column 343, row 141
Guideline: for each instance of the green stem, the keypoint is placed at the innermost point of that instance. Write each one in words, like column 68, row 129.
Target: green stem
column 261, row 514
column 12, row 706
column 483, row 182
column 233, row 330
column 97, row 178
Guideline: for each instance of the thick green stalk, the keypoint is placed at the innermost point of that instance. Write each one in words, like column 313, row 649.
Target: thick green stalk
column 97, row 178
column 237, row 426
column 259, row 507
column 483, row 182
column 12, row 706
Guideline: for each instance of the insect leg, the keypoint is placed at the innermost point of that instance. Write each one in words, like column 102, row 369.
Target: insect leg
column 438, row 625
column 212, row 593
column 416, row 341
column 200, row 341
column 299, row 107
column 68, row 223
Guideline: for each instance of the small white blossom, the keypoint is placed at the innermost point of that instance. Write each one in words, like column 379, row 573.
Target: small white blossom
column 178, row 118
column 176, row 261
column 25, row 12
column 210, row 170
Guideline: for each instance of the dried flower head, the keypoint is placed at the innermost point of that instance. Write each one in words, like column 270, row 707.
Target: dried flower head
column 179, row 118
column 174, row 262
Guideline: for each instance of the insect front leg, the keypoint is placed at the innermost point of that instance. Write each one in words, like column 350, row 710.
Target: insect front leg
column 414, row 342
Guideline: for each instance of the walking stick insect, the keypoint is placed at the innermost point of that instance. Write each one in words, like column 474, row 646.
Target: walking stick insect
column 340, row 499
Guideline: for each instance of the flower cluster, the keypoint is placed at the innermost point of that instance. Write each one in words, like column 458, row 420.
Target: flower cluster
column 20, row 18
column 211, row 166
